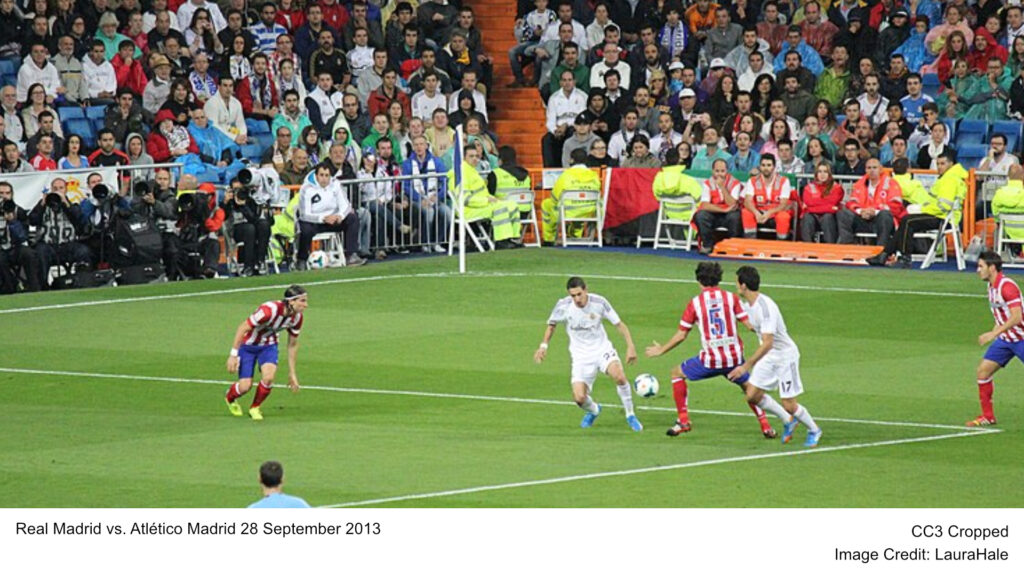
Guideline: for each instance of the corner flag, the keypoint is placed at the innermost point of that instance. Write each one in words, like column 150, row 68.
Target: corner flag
column 459, row 203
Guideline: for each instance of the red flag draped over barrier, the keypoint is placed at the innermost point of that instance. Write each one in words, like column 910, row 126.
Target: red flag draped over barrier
column 630, row 195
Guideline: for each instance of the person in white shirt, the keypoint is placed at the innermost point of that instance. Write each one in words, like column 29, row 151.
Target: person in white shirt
column 776, row 362
column 873, row 105
column 99, row 74
column 37, row 69
column 611, row 62
column 429, row 99
column 225, row 111
column 756, row 66
column 667, row 138
column 590, row 349
column 188, row 8
column 149, row 18
column 563, row 107
column 579, row 33
column 360, row 57
column 998, row 159
column 324, row 207
column 618, row 144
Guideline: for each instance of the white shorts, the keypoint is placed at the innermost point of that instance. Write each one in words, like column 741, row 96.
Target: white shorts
column 585, row 368
column 781, row 373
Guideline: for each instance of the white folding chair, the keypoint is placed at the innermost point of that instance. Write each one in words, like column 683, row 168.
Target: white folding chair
column 596, row 238
column 523, row 196
column 330, row 243
column 938, row 237
column 474, row 235
column 677, row 203
column 1005, row 223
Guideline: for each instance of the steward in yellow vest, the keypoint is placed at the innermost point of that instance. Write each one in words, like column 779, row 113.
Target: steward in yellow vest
column 479, row 203
column 673, row 182
column 933, row 206
column 1009, row 199
column 576, row 177
column 509, row 177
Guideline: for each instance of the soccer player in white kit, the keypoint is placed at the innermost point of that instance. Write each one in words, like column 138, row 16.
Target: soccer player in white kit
column 775, row 363
column 590, row 349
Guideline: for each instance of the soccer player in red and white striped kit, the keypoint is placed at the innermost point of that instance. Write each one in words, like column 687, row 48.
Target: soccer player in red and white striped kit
column 716, row 313
column 255, row 344
column 1006, row 340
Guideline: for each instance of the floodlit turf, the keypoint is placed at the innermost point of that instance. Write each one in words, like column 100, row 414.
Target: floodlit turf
column 875, row 359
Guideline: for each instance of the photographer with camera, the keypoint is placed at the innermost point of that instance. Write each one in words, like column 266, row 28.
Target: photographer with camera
column 58, row 225
column 99, row 210
column 156, row 202
column 196, row 247
column 15, row 252
column 250, row 223
column 324, row 207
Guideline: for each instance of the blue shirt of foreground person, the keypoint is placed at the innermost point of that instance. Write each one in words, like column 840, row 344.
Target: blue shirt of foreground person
column 271, row 479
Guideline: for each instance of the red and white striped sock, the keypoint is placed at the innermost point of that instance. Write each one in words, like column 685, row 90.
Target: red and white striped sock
column 234, row 393
column 262, row 391
column 761, row 418
column 985, row 396
column 679, row 392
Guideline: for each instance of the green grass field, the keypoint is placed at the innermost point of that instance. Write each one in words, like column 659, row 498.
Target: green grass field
column 418, row 382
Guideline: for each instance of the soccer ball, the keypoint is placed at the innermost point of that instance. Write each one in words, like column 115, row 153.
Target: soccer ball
column 318, row 259
column 646, row 386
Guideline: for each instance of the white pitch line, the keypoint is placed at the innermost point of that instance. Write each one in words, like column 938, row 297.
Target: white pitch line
column 472, row 275
column 634, row 471
column 445, row 395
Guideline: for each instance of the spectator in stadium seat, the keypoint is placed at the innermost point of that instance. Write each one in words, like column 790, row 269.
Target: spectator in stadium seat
column 394, row 30
column 744, row 160
column 360, row 19
column 44, row 158
column 936, row 38
column 335, row 14
column 851, row 163
column 160, row 25
column 307, row 36
column 723, row 36
column 610, row 61
column 13, row 130
column 788, row 162
column 618, row 98
column 809, row 58
column 435, row 18
column 216, row 148
column 819, row 205
column 564, row 15
column 179, row 102
column 72, row 80
column 469, row 86
column 465, row 23
column 582, row 137
column 429, row 99
column 12, row 162
column 257, row 94
column 13, row 25
column 772, row 28
column 991, row 93
column 36, row 69
column 675, row 36
column 225, row 111
column 381, row 130
column 291, row 116
column 893, row 35
column 548, row 55
column 457, row 59
column 719, row 206
column 170, row 142
column 835, row 80
column 189, row 7
column 842, row 10
column 710, row 151
column 562, row 109
column 819, row 33
column 640, row 155
column 323, row 102
column 203, row 85
column 133, row 30
column 379, row 100
column 406, row 55
column 799, row 103
column 280, row 151
column 296, row 169
column 267, row 29
column 859, row 39
column 159, row 88
column 618, row 144
column 135, row 149
column 124, row 116
column 327, row 58
column 738, row 59
column 428, row 195
column 371, row 79
column 428, row 65
column 700, row 17
column 998, row 160
column 894, row 83
column 597, row 30
column 73, row 157
column 47, row 127
column 875, row 205
column 357, row 121
column 287, row 79
column 935, row 146
column 794, row 67
column 914, row 99
column 128, row 70
column 34, row 108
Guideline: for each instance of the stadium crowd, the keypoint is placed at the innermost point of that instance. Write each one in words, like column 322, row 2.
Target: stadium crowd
column 251, row 96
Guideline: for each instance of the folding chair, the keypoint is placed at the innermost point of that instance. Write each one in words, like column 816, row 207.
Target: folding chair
column 677, row 203
column 938, row 237
column 330, row 242
column 474, row 235
column 595, row 238
column 522, row 197
column 1009, row 222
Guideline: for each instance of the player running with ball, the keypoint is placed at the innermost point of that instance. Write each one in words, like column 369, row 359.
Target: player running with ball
column 255, row 344
column 775, row 363
column 590, row 349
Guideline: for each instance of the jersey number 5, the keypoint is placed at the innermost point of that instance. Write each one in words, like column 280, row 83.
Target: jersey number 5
column 716, row 322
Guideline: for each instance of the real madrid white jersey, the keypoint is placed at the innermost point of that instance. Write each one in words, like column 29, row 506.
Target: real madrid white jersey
column 584, row 325
column 765, row 316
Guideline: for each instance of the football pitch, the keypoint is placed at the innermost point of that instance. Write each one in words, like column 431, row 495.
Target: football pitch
column 419, row 390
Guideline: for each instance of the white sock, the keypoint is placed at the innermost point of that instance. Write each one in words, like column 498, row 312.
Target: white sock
column 768, row 404
column 805, row 418
column 589, row 405
column 626, row 395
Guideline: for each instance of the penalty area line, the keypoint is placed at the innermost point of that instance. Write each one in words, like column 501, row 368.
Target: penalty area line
column 479, row 397
column 647, row 470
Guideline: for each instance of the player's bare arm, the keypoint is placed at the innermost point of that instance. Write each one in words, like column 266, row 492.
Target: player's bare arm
column 293, row 353
column 542, row 350
column 630, row 348
column 1015, row 319
column 767, row 340
column 658, row 349
column 240, row 333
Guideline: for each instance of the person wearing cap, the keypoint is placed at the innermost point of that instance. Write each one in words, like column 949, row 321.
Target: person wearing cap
column 894, row 34
column 582, row 137
column 738, row 59
column 577, row 177
column 159, row 88
column 611, row 61
column 723, row 36
column 716, row 70
column 809, row 57
column 835, row 80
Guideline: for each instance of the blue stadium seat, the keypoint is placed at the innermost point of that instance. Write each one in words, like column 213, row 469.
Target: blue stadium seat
column 256, row 127
column 970, row 126
column 95, row 112
column 8, row 79
column 8, row 67
column 950, row 127
column 972, row 151
column 930, row 81
column 1010, row 129
column 70, row 112
column 83, row 127
column 262, row 141
column 97, row 124
column 969, row 138
column 252, row 152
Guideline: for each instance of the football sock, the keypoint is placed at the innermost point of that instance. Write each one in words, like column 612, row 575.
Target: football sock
column 262, row 391
column 761, row 418
column 985, row 395
column 768, row 404
column 589, row 405
column 804, row 417
column 233, row 393
column 626, row 395
column 679, row 393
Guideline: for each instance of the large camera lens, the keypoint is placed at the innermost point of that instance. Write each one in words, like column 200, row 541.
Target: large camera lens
column 245, row 177
column 100, row 191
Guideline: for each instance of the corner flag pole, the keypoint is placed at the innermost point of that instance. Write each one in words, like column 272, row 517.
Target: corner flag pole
column 457, row 160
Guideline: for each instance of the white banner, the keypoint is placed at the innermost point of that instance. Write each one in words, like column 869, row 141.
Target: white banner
column 30, row 187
